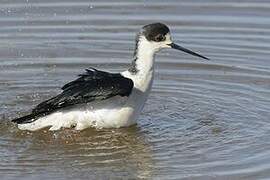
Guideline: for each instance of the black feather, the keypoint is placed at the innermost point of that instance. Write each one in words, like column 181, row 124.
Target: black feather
column 91, row 85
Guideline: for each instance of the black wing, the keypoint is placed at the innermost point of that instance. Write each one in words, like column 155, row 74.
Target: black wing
column 90, row 86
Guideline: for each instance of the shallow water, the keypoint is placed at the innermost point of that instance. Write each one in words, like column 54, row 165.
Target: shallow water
column 203, row 119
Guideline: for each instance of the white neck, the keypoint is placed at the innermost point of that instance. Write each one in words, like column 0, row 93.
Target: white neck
column 143, row 64
column 145, row 57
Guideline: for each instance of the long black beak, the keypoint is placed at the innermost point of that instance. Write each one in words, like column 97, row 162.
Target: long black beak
column 175, row 46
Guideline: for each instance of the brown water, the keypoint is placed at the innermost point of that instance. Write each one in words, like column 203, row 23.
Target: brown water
column 203, row 119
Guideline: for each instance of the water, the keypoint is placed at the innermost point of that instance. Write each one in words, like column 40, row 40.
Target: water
column 203, row 119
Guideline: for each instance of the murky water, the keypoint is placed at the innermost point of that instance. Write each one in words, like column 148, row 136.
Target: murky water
column 203, row 120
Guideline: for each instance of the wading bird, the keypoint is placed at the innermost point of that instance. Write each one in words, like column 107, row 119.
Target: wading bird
column 103, row 99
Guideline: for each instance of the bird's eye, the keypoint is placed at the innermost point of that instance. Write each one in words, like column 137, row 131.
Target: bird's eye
column 159, row 38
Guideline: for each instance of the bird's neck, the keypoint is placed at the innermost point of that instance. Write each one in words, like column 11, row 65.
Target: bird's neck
column 143, row 58
column 142, row 67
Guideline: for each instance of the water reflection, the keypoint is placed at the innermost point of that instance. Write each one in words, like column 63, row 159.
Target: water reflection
column 203, row 120
column 110, row 153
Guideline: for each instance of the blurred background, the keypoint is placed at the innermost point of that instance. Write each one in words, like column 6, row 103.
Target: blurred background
column 203, row 119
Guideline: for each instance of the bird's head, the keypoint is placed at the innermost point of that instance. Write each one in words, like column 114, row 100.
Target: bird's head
column 157, row 36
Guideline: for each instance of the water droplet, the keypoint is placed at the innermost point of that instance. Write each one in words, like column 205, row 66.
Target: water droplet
column 94, row 123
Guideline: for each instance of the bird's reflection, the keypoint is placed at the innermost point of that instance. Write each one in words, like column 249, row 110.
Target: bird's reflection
column 110, row 152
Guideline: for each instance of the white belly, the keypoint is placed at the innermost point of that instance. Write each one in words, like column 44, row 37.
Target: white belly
column 115, row 112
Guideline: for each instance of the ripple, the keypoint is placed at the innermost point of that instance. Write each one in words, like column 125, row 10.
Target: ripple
column 203, row 119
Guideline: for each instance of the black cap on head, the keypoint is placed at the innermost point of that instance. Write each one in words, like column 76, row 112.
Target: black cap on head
column 155, row 32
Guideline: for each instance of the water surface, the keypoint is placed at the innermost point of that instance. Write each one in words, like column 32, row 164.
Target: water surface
column 203, row 119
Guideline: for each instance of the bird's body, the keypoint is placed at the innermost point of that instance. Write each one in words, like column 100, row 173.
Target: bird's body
column 114, row 112
column 101, row 99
